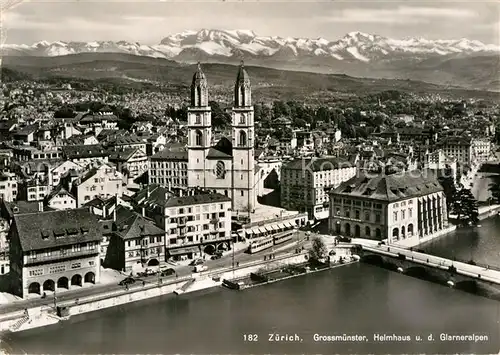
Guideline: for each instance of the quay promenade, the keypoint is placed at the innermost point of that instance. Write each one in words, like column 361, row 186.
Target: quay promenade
column 480, row 272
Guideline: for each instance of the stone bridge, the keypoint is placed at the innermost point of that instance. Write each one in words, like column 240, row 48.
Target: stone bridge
column 470, row 278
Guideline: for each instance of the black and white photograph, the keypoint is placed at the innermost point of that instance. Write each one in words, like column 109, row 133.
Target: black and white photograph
column 249, row 177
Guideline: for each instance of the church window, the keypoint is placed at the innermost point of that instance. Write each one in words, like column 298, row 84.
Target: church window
column 199, row 138
column 198, row 91
column 242, row 140
column 220, row 170
column 242, row 118
column 198, row 119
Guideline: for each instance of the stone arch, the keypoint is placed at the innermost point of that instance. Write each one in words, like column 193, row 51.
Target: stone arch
column 198, row 137
column 395, row 234
column 357, row 231
column 34, row 287
column 210, row 249
column 76, row 280
column 153, row 262
column 410, row 229
column 347, row 229
column 338, row 228
column 242, row 139
column 49, row 285
column 368, row 231
column 89, row 277
column 403, row 232
column 63, row 282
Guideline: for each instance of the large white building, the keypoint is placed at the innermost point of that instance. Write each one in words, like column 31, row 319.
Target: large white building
column 303, row 183
column 194, row 221
column 228, row 167
column 405, row 208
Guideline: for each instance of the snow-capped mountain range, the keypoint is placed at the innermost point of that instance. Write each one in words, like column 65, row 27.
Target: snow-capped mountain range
column 227, row 45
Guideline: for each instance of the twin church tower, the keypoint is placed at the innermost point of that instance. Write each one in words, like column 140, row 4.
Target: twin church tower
column 227, row 167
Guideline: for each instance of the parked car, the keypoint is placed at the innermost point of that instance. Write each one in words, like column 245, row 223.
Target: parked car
column 216, row 256
column 200, row 268
column 127, row 281
column 167, row 272
column 196, row 262
column 147, row 272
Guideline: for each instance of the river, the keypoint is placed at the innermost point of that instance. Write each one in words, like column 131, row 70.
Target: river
column 356, row 299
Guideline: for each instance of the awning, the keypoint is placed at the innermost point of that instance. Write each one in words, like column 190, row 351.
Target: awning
column 281, row 226
column 268, row 228
column 289, row 224
column 275, row 227
column 249, row 231
column 180, row 251
column 261, row 230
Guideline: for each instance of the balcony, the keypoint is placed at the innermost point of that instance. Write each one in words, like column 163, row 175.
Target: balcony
column 61, row 256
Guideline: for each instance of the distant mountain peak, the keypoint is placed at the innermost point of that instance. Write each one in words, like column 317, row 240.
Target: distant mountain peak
column 231, row 45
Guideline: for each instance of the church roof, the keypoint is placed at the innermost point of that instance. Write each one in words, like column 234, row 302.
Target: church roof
column 223, row 149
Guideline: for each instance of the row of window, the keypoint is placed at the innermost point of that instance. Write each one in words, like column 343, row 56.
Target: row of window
column 75, row 248
column 357, row 215
column 144, row 242
column 403, row 214
column 198, row 238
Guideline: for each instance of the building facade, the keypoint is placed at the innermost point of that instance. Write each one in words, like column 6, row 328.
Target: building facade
column 103, row 181
column 303, row 182
column 53, row 251
column 405, row 209
column 194, row 222
column 169, row 168
column 228, row 167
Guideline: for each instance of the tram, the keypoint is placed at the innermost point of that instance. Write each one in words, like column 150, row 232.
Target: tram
column 270, row 241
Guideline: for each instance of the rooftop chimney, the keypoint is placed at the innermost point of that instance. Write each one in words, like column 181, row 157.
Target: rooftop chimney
column 40, row 206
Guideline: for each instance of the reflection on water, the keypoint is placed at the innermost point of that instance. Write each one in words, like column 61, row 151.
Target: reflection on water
column 480, row 244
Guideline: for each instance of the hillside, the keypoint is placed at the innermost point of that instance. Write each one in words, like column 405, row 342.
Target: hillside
column 167, row 73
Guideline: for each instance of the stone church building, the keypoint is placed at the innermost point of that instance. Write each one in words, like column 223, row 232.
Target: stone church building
column 229, row 166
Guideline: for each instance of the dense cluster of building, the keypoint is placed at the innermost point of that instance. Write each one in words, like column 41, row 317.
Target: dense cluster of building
column 78, row 193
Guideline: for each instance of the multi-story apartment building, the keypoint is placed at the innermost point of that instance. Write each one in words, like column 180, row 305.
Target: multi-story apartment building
column 405, row 208
column 61, row 169
column 457, row 147
column 169, row 168
column 303, row 182
column 131, row 162
column 34, row 189
column 8, row 186
column 102, row 181
column 30, row 153
column 481, row 149
column 53, row 251
column 134, row 241
column 194, row 222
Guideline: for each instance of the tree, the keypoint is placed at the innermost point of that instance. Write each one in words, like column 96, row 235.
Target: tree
column 449, row 189
column 495, row 190
column 464, row 205
column 318, row 250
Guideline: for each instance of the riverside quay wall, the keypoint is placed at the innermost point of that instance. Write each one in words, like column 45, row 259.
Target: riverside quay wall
column 36, row 317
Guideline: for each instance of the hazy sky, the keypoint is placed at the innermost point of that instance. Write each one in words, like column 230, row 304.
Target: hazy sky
column 148, row 21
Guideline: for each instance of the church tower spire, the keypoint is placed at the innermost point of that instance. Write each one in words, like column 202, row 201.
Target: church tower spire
column 243, row 190
column 199, row 89
column 199, row 130
column 242, row 88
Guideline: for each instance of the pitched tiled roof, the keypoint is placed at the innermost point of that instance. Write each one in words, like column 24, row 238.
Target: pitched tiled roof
column 131, row 225
column 174, row 154
column 223, row 149
column 38, row 230
column 390, row 187
column 156, row 195
column 122, row 155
